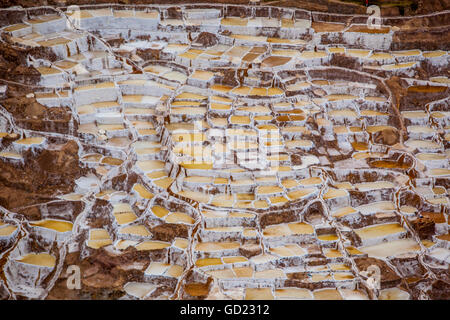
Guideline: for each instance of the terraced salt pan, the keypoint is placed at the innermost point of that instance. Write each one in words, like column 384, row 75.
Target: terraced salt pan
column 259, row 294
column 328, row 237
column 415, row 114
column 288, row 250
column 422, row 144
column 142, row 191
column 11, row 155
column 373, row 113
column 441, row 172
column 420, row 129
column 135, row 230
column 18, row 30
column 139, row 289
column 335, row 193
column 219, row 261
column 407, row 53
column 381, row 206
column 39, row 259
column 305, row 55
column 216, row 246
column 152, row 245
column 98, row 238
column 288, row 229
column 7, row 230
column 291, row 187
column 343, row 212
column 357, row 53
column 374, row 234
column 393, row 294
column 368, row 186
column 179, row 217
column 56, row 225
column 391, row 248
column 124, row 217
column 381, row 56
column 440, row 255
column 404, row 65
column 45, row 71
column 349, row 294
column 376, row 99
column 243, row 273
column 30, row 141
column 434, row 54
column 443, row 79
column 124, row 244
column 163, row 269
column 293, row 294
column 327, row 294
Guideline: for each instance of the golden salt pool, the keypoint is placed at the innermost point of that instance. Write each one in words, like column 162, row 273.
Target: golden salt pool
column 381, row 230
column 39, row 259
column 6, row 230
column 391, row 248
column 31, row 141
column 56, row 225
column 152, row 245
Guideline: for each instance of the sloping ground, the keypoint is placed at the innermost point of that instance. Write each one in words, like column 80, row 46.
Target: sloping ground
column 222, row 153
column 389, row 7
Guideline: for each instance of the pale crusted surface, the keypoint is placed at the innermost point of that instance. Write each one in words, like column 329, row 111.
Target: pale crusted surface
column 202, row 156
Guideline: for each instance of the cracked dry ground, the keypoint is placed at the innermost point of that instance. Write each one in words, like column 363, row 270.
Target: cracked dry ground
column 223, row 152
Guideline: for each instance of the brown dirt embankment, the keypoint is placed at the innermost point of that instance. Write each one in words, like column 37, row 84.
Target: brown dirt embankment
column 424, row 38
column 49, row 172
column 13, row 61
column 391, row 8
column 31, row 115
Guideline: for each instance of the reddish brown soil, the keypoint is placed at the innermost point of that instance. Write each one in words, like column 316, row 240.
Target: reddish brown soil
column 102, row 275
column 424, row 227
column 29, row 114
column 13, row 64
column 387, row 136
column 388, row 276
column 168, row 232
column 46, row 174
column 331, row 6
column 206, row 39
